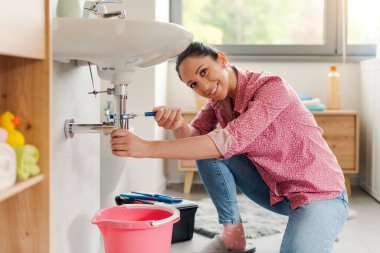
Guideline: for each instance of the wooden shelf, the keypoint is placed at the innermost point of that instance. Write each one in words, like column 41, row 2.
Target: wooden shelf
column 26, row 91
column 20, row 186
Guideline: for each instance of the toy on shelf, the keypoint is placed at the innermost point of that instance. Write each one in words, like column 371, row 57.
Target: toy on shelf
column 8, row 121
column 27, row 158
column 7, row 162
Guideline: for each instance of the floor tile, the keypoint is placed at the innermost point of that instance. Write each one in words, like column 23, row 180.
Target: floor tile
column 360, row 234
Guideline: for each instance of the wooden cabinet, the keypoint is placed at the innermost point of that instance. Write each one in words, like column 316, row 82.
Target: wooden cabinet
column 25, row 91
column 340, row 130
column 22, row 26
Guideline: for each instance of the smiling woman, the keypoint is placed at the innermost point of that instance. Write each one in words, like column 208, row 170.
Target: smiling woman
column 268, row 145
column 208, row 77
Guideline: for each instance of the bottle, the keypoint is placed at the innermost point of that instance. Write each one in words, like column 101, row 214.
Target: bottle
column 333, row 98
column 69, row 8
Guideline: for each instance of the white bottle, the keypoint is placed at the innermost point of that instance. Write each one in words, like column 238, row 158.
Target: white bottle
column 70, row 8
column 333, row 99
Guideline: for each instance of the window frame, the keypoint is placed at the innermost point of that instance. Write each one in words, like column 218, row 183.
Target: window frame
column 332, row 46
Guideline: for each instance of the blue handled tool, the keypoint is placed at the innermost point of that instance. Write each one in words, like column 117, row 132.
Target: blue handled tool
column 147, row 196
column 133, row 115
column 146, row 114
column 162, row 197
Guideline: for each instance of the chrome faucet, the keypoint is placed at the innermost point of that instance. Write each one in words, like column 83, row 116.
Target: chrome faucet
column 98, row 8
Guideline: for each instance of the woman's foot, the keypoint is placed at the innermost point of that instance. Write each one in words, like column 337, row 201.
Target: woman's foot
column 233, row 236
column 216, row 245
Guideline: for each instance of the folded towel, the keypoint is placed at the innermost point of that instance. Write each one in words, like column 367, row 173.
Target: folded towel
column 27, row 158
column 312, row 102
column 3, row 135
column 304, row 96
column 320, row 107
column 7, row 166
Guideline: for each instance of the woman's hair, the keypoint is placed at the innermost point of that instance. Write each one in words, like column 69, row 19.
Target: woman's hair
column 196, row 48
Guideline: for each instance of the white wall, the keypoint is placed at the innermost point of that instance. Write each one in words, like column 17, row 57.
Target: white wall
column 146, row 90
column 84, row 171
column 310, row 77
column 75, row 189
column 75, row 175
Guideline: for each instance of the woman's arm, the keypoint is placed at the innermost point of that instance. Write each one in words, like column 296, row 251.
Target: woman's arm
column 184, row 131
column 191, row 148
column 171, row 118
column 124, row 143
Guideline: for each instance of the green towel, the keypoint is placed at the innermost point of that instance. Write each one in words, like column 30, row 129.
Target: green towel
column 320, row 107
column 27, row 158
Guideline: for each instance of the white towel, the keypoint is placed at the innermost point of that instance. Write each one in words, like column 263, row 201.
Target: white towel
column 312, row 102
column 8, row 171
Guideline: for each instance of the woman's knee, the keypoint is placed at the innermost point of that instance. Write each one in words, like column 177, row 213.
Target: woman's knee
column 206, row 164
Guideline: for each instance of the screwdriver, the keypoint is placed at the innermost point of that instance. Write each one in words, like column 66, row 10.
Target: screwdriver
column 133, row 115
column 146, row 114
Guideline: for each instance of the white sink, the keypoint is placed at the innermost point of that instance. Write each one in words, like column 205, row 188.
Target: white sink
column 117, row 46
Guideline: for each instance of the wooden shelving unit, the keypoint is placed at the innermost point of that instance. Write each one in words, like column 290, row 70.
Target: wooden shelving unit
column 25, row 90
column 19, row 187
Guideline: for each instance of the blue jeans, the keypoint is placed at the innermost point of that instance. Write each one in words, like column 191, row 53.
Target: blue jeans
column 312, row 227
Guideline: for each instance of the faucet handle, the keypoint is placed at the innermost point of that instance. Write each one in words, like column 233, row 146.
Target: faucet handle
column 94, row 5
column 88, row 4
column 97, row 7
column 112, row 1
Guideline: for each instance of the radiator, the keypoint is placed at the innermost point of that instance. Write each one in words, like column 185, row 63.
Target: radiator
column 370, row 127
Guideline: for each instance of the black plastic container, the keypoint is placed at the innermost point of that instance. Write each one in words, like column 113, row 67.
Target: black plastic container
column 183, row 230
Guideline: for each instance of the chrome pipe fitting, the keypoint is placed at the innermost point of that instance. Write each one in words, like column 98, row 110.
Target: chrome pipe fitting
column 71, row 128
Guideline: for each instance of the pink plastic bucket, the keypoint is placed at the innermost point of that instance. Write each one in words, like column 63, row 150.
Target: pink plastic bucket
column 137, row 228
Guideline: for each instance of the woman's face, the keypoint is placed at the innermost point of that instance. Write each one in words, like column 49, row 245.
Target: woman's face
column 207, row 77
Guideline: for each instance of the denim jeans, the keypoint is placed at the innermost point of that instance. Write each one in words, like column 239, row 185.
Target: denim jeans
column 312, row 227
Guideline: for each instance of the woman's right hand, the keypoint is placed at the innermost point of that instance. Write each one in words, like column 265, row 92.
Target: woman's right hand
column 168, row 117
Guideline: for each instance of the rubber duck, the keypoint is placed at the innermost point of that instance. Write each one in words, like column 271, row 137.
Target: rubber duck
column 8, row 121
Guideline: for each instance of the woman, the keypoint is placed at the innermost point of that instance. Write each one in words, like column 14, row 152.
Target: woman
column 269, row 146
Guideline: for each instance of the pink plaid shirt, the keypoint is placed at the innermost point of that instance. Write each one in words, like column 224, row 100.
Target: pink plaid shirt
column 269, row 125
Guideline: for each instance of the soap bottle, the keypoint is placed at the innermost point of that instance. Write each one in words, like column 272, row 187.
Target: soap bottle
column 69, row 8
column 333, row 98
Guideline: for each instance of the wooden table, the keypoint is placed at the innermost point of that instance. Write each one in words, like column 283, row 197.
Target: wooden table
column 340, row 130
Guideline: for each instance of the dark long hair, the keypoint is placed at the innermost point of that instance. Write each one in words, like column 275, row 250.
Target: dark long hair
column 196, row 48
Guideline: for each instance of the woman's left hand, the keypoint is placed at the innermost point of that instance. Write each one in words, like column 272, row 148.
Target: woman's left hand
column 124, row 143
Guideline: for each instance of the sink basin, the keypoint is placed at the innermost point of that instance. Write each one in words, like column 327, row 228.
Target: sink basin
column 117, row 46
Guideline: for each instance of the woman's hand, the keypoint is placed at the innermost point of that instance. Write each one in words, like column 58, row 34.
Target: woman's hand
column 124, row 143
column 169, row 118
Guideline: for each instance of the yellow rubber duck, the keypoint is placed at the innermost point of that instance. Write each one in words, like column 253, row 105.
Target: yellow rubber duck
column 8, row 121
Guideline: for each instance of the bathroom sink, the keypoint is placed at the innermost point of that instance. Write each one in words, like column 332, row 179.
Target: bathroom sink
column 117, row 46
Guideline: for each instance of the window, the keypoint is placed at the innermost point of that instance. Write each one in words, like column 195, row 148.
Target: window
column 363, row 27
column 282, row 27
